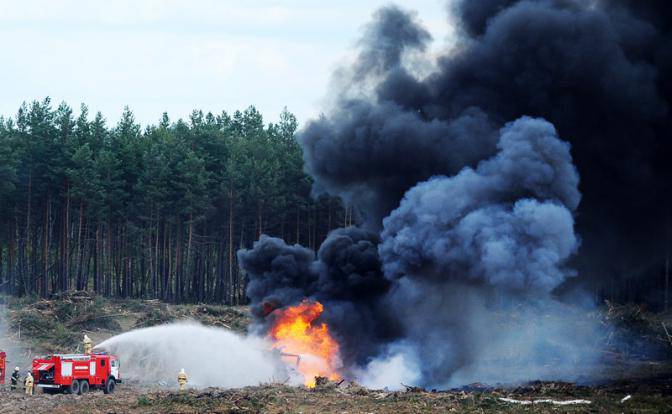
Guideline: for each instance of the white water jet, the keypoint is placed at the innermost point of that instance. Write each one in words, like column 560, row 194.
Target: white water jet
column 211, row 357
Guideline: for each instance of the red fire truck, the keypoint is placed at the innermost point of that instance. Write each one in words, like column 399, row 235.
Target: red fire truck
column 3, row 366
column 76, row 373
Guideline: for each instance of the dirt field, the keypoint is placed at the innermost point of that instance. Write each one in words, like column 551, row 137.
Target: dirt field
column 59, row 323
column 646, row 397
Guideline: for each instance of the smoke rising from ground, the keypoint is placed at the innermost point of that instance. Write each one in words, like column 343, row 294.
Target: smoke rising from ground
column 466, row 185
column 507, row 224
column 212, row 357
column 511, row 342
column 17, row 355
column 345, row 276
column 412, row 303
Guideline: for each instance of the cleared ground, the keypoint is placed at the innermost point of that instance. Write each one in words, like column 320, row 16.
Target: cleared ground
column 646, row 397
column 57, row 325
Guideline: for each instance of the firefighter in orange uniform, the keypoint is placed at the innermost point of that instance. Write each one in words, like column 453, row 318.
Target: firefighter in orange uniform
column 182, row 379
column 29, row 383
column 88, row 344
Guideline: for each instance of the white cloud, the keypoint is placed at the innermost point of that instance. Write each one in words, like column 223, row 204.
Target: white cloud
column 177, row 55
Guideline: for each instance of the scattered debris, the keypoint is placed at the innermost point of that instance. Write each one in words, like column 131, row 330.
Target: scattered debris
column 321, row 382
column 412, row 388
column 544, row 401
column 56, row 324
column 324, row 383
column 279, row 398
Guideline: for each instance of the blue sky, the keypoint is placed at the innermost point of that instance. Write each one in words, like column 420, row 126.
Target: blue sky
column 175, row 55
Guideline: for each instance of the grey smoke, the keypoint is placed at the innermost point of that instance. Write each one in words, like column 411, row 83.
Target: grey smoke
column 505, row 226
column 17, row 354
column 419, row 291
column 507, row 223
column 466, row 186
column 370, row 151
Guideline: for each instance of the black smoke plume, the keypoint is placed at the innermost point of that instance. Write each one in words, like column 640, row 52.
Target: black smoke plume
column 346, row 277
column 467, row 198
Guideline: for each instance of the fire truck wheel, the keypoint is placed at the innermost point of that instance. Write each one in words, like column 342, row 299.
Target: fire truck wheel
column 83, row 387
column 109, row 386
column 74, row 387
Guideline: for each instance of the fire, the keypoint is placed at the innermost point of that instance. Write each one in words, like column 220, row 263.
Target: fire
column 295, row 333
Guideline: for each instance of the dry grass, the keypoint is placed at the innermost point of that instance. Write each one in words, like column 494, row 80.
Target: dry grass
column 646, row 398
column 58, row 324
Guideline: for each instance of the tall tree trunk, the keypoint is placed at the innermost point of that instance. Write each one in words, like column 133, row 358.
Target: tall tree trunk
column 168, row 247
column 178, row 263
column 33, row 259
column 84, row 262
column 221, row 283
column 80, row 248
column 26, row 255
column 66, row 243
column 155, row 265
column 165, row 264
column 96, row 258
column 21, row 282
column 238, row 279
column 107, row 259
column 118, row 248
column 189, row 268
column 298, row 221
column 155, row 277
column 10, row 258
column 231, row 282
column 45, row 251
column 667, row 279
column 128, row 264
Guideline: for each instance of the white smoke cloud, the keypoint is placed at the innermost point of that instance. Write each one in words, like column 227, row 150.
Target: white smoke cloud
column 398, row 368
column 211, row 357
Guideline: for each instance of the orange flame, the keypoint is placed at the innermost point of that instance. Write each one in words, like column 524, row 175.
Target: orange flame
column 294, row 333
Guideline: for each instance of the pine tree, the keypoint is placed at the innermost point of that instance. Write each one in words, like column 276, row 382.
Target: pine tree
column 153, row 213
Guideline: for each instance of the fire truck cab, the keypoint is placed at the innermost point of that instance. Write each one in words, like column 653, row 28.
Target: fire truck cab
column 3, row 367
column 76, row 373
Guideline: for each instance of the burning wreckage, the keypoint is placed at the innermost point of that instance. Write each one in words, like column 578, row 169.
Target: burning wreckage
column 315, row 351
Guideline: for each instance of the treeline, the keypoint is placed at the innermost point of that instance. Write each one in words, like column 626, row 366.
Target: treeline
column 153, row 213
